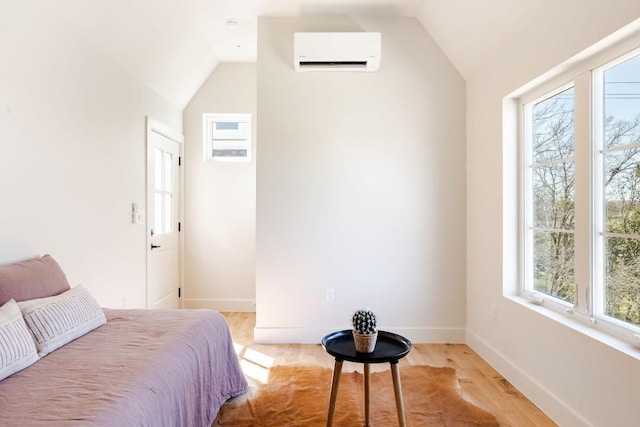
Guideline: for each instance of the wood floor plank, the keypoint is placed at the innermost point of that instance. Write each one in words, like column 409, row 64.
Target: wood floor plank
column 479, row 382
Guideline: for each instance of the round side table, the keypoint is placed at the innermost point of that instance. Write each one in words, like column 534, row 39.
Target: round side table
column 390, row 348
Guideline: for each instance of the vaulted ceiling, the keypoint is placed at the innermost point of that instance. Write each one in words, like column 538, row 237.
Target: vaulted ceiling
column 173, row 45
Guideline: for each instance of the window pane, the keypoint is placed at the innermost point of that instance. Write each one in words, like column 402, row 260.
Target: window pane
column 622, row 282
column 554, row 264
column 622, row 104
column 622, row 191
column 158, row 169
column 553, row 127
column 158, row 214
column 553, row 196
column 168, row 171
column 227, row 125
column 168, row 213
column 621, row 131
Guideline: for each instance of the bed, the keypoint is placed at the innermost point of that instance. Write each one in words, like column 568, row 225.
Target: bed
column 137, row 368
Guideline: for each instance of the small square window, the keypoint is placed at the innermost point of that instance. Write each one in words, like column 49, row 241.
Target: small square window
column 227, row 137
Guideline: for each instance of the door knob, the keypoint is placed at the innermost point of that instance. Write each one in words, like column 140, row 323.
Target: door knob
column 154, row 246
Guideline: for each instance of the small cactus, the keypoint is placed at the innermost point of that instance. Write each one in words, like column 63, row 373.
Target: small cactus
column 364, row 322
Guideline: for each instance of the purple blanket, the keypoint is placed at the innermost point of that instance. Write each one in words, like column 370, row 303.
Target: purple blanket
column 143, row 368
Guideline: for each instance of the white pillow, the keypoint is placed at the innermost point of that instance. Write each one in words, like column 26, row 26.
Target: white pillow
column 55, row 321
column 17, row 349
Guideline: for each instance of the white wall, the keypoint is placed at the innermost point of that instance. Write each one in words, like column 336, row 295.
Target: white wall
column 220, row 200
column 575, row 379
column 360, row 187
column 72, row 154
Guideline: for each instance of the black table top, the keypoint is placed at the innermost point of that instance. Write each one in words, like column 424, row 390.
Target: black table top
column 390, row 347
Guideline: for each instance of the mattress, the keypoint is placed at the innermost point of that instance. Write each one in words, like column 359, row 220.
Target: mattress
column 143, row 368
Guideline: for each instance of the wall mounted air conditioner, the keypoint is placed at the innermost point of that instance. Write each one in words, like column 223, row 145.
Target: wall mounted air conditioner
column 358, row 51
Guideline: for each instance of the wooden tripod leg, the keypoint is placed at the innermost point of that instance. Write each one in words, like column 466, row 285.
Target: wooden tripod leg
column 337, row 371
column 367, row 371
column 397, row 388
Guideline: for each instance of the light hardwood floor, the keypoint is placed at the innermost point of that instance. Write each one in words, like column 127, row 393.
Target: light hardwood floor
column 480, row 383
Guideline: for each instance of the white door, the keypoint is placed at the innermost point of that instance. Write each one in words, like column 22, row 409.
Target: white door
column 163, row 243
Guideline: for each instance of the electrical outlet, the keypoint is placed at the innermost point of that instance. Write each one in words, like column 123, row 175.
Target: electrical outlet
column 331, row 295
column 494, row 310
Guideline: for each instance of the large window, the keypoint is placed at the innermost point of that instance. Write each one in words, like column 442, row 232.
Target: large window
column 581, row 195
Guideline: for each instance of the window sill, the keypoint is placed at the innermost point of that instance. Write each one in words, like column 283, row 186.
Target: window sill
column 579, row 326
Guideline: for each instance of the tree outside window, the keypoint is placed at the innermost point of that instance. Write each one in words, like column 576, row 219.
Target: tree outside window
column 553, row 195
column 621, row 157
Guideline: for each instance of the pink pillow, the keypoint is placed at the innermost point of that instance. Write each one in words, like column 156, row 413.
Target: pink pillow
column 34, row 278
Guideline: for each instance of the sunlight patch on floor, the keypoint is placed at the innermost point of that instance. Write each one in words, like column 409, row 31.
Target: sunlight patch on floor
column 254, row 364
column 256, row 372
column 238, row 348
column 258, row 358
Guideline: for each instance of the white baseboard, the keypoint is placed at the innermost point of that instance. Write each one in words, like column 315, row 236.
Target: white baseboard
column 289, row 335
column 227, row 305
column 543, row 398
column 432, row 335
column 292, row 335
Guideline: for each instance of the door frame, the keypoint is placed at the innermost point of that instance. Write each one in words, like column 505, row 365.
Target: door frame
column 159, row 127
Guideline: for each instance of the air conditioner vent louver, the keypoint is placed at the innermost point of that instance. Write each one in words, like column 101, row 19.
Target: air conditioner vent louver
column 333, row 64
column 357, row 51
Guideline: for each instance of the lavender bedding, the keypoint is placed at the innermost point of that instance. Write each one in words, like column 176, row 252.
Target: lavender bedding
column 143, row 368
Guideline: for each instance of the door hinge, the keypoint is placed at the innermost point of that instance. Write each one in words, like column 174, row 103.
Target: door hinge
column 179, row 292
column 179, row 160
column 179, row 226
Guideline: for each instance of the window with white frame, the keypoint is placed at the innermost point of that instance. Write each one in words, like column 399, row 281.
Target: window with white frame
column 227, row 137
column 581, row 195
column 550, row 128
